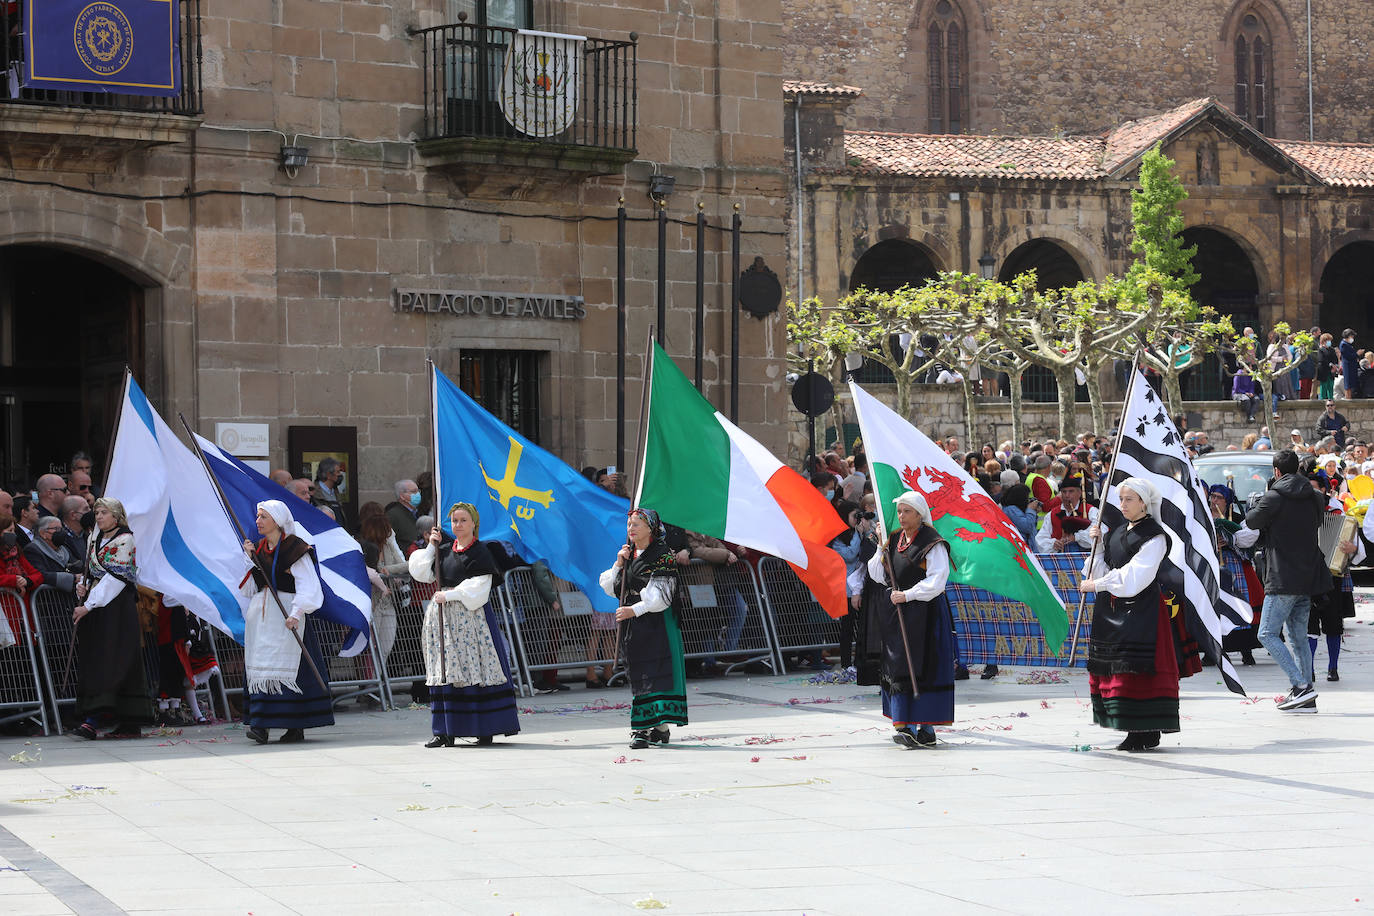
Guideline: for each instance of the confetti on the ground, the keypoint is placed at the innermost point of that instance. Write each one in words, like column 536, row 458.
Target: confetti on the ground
column 1081, row 747
column 34, row 756
column 650, row 903
column 844, row 676
column 765, row 739
column 807, row 701
column 598, row 706
column 798, row 757
column 1044, row 704
column 623, row 759
column 1042, row 676
column 753, row 759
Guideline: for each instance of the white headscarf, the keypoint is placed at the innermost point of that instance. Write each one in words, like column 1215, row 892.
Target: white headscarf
column 280, row 514
column 916, row 501
column 1147, row 492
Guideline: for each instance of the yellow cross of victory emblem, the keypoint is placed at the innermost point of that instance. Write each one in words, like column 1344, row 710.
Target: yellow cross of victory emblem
column 507, row 489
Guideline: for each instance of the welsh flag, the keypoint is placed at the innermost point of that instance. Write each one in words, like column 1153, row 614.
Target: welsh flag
column 986, row 550
column 701, row 472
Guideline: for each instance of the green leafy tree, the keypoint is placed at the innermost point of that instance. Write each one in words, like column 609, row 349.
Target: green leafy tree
column 1280, row 357
column 1158, row 225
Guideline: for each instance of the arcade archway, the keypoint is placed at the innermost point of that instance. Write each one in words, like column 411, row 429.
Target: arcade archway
column 69, row 325
column 1347, row 288
column 1054, row 268
column 1228, row 283
column 892, row 264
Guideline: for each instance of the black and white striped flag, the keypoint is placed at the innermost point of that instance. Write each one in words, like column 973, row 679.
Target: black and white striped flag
column 1151, row 448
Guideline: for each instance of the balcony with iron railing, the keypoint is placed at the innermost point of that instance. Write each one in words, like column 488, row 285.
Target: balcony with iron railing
column 520, row 100
column 58, row 126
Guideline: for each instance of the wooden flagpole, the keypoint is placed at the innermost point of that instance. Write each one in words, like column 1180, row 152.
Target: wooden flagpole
column 1111, row 471
column 438, row 523
column 257, row 561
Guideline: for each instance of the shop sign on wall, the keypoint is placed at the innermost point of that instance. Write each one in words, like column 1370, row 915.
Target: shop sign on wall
column 461, row 303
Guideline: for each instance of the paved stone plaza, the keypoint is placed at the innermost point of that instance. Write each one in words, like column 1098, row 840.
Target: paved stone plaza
column 781, row 797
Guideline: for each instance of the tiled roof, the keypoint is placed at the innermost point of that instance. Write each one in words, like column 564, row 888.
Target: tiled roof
column 1135, row 137
column 965, row 156
column 824, row 90
column 1107, row 156
column 1344, row 165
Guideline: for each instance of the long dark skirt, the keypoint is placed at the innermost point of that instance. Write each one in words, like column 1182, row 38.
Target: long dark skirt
column 477, row 712
column 310, row 707
column 109, row 657
column 658, row 678
column 1141, row 702
column 930, row 635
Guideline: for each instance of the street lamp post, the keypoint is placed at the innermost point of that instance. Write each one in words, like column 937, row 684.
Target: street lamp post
column 987, row 267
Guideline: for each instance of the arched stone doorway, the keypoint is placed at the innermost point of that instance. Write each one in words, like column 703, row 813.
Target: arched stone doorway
column 1228, row 283
column 69, row 325
column 892, row 264
column 885, row 268
column 1347, row 288
column 1055, row 268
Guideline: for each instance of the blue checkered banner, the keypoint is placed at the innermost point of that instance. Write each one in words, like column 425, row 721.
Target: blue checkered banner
column 997, row 630
column 124, row 46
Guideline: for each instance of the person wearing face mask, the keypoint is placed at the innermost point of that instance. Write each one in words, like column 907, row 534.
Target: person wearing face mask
column 329, row 489
column 403, row 511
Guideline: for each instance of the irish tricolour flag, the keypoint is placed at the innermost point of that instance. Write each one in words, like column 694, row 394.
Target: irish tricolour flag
column 985, row 547
column 701, row 472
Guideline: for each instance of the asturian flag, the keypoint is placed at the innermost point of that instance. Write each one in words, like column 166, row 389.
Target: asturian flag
column 1151, row 448
column 343, row 574
column 185, row 546
column 524, row 495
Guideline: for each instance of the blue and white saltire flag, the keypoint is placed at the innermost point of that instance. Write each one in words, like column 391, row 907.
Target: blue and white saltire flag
column 343, row 574
column 524, row 495
column 185, row 546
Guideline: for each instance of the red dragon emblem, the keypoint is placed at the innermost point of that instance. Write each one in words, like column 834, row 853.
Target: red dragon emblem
column 979, row 517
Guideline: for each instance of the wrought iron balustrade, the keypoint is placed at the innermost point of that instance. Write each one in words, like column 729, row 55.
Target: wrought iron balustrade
column 188, row 102
column 499, row 83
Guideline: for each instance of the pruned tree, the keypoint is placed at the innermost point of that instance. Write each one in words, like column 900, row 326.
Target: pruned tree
column 1274, row 362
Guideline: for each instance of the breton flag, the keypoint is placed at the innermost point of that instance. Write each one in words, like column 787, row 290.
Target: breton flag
column 343, row 574
column 1151, row 448
column 986, row 550
column 524, row 496
column 701, row 472
column 185, row 546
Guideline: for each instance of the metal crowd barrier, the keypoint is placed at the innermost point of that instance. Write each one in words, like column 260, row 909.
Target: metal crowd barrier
column 52, row 610
column 359, row 676
column 403, row 660
column 800, row 624
column 21, row 681
column 548, row 640
column 723, row 616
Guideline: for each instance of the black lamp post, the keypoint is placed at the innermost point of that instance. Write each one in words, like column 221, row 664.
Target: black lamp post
column 987, row 267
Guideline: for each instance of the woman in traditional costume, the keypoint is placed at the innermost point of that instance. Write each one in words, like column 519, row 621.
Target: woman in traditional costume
column 1238, row 574
column 466, row 663
column 283, row 690
column 644, row 581
column 914, row 625
column 1132, row 664
column 109, row 657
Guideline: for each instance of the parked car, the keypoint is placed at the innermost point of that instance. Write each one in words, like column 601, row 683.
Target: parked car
column 1248, row 472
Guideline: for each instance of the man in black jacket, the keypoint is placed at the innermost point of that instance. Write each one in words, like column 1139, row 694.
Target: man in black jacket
column 1288, row 516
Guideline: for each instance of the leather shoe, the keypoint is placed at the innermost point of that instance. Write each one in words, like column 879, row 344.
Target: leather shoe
column 258, row 734
column 292, row 736
column 440, row 741
column 1332, row 675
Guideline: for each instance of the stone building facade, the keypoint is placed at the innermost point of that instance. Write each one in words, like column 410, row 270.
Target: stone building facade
column 241, row 290
column 1080, row 67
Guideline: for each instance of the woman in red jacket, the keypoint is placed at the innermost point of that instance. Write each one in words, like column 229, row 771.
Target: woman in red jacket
column 16, row 574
